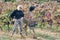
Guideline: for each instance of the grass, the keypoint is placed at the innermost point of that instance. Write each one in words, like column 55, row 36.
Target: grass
column 53, row 28
column 47, row 37
column 43, row 35
column 5, row 38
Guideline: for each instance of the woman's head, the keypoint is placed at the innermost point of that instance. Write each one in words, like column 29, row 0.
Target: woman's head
column 19, row 7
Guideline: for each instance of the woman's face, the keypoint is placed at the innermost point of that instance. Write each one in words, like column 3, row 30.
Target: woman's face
column 20, row 8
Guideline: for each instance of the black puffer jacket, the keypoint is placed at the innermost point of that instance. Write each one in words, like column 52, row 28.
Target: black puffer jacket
column 17, row 14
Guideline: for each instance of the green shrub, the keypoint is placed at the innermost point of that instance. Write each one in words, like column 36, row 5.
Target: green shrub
column 10, row 0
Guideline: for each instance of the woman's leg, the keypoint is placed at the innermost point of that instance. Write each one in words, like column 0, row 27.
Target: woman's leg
column 15, row 26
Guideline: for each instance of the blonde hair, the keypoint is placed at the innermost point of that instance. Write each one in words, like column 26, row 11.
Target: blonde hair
column 19, row 6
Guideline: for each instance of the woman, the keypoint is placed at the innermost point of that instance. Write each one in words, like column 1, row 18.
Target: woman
column 17, row 15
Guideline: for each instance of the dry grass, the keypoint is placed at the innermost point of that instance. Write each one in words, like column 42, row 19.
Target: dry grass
column 41, row 35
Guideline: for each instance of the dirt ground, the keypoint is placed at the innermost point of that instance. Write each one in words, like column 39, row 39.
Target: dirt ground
column 41, row 35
